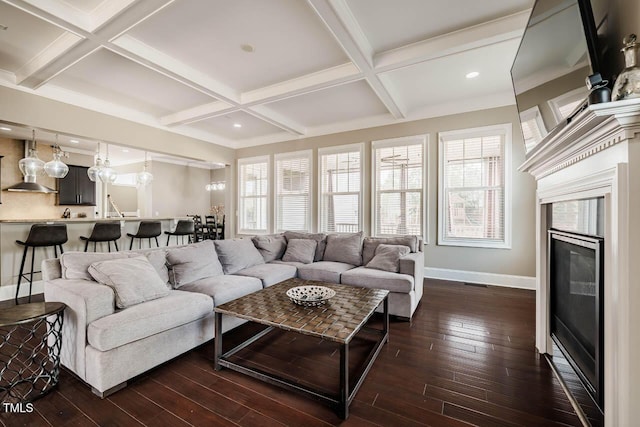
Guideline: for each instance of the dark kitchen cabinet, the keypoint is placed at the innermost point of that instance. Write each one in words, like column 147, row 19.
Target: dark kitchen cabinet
column 76, row 188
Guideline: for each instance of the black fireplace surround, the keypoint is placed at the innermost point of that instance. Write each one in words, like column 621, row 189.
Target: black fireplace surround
column 576, row 264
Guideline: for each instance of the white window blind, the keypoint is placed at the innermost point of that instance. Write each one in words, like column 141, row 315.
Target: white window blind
column 253, row 183
column 398, row 186
column 473, row 187
column 293, row 201
column 340, row 189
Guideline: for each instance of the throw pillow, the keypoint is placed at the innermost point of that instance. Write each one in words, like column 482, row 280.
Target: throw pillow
column 193, row 262
column 318, row 237
column 237, row 254
column 75, row 265
column 300, row 250
column 133, row 280
column 344, row 248
column 387, row 257
column 371, row 243
column 270, row 247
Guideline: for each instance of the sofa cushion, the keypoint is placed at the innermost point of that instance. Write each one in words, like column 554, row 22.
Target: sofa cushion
column 300, row 250
column 269, row 274
column 344, row 248
column 371, row 243
column 75, row 265
column 150, row 318
column 224, row 288
column 318, row 237
column 133, row 280
column 237, row 254
column 387, row 257
column 193, row 262
column 378, row 279
column 271, row 247
column 157, row 258
column 324, row 271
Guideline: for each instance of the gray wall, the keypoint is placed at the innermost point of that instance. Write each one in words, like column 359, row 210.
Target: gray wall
column 519, row 260
column 179, row 190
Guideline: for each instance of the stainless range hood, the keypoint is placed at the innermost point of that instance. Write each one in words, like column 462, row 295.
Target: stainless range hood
column 29, row 185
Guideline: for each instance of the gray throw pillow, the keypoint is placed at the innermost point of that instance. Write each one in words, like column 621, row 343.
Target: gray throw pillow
column 270, row 247
column 300, row 250
column 371, row 243
column 133, row 280
column 237, row 254
column 387, row 257
column 318, row 237
column 75, row 265
column 344, row 248
column 193, row 262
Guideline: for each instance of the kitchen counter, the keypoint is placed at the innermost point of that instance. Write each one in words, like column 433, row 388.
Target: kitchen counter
column 71, row 220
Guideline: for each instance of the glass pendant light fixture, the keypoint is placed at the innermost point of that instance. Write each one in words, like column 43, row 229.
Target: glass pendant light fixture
column 94, row 170
column 31, row 165
column 143, row 178
column 215, row 186
column 56, row 167
column 107, row 174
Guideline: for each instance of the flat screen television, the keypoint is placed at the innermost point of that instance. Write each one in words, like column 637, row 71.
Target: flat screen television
column 560, row 48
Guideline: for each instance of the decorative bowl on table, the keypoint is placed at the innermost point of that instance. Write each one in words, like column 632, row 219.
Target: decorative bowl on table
column 310, row 296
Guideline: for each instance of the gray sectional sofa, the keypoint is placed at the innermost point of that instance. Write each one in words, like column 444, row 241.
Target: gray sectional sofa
column 128, row 312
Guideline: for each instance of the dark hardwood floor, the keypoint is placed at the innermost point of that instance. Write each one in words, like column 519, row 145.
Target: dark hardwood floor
column 468, row 358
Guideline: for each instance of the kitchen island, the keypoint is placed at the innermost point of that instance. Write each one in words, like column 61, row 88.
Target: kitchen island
column 18, row 229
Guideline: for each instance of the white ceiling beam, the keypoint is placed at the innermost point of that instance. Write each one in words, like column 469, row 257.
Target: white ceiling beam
column 266, row 114
column 200, row 112
column 119, row 23
column 488, row 33
column 308, row 83
column 338, row 18
column 48, row 55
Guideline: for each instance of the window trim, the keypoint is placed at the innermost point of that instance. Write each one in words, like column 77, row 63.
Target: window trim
column 505, row 129
column 533, row 113
column 285, row 156
column 578, row 94
column 338, row 149
column 394, row 142
column 250, row 161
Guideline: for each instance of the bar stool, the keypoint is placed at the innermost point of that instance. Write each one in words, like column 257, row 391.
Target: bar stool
column 40, row 236
column 106, row 231
column 146, row 230
column 184, row 227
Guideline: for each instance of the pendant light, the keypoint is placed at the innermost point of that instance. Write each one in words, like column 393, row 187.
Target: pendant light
column 94, row 170
column 144, row 177
column 56, row 167
column 107, row 174
column 32, row 166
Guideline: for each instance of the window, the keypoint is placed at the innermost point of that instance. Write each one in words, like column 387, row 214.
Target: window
column 563, row 105
column 253, row 191
column 533, row 128
column 293, row 182
column 474, row 196
column 340, row 204
column 398, row 186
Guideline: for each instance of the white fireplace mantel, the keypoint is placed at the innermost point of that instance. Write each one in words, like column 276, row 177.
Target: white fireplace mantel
column 598, row 154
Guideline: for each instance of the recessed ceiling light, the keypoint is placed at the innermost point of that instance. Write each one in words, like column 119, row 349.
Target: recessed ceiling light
column 74, row 141
column 472, row 75
column 247, row 48
column 124, row 150
column 237, row 125
column 5, row 128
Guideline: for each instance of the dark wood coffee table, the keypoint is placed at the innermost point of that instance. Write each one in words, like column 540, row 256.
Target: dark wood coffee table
column 339, row 320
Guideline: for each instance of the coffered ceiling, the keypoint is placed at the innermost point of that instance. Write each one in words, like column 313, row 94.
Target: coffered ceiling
column 247, row 72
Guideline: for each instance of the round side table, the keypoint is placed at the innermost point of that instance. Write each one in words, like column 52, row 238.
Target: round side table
column 30, row 342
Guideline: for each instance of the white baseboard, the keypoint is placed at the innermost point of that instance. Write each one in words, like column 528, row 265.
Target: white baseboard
column 521, row 282
column 9, row 292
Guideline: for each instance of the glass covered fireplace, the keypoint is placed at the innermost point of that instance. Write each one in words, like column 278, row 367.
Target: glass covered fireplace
column 576, row 266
